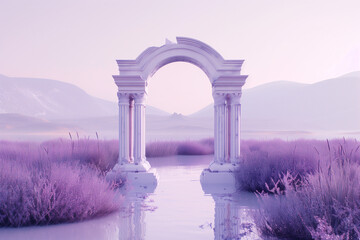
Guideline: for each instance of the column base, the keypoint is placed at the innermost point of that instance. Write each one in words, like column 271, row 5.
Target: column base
column 142, row 166
column 142, row 181
column 219, row 181
column 223, row 167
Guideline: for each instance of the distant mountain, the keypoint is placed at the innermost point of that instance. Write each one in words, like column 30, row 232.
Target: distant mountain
column 43, row 109
column 332, row 104
column 12, row 122
column 50, row 99
column 205, row 113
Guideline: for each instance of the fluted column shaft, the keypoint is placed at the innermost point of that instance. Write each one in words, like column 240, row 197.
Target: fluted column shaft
column 131, row 130
column 227, row 130
column 139, row 128
column 220, row 128
column 235, row 115
column 124, row 145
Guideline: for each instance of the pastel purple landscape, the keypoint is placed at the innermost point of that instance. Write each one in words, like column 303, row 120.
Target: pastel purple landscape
column 243, row 122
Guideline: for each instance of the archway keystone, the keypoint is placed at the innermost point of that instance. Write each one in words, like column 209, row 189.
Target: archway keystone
column 226, row 80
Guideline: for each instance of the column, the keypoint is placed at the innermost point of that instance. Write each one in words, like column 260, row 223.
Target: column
column 219, row 128
column 131, row 130
column 124, row 104
column 139, row 130
column 235, row 128
column 227, row 130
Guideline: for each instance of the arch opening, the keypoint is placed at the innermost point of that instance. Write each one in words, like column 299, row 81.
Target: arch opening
column 179, row 87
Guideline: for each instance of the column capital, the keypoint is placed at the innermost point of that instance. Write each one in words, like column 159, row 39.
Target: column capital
column 124, row 98
column 219, row 98
column 140, row 98
column 234, row 98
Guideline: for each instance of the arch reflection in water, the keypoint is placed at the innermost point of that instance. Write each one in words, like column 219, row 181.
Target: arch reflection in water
column 132, row 217
column 232, row 218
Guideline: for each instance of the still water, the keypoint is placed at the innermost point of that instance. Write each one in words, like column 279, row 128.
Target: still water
column 177, row 209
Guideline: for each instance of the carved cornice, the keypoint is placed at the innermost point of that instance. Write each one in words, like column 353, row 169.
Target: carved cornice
column 187, row 50
column 130, row 84
column 230, row 80
column 229, row 85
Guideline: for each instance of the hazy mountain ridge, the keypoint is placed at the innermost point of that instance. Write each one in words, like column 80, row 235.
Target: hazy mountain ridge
column 51, row 99
column 332, row 104
column 44, row 106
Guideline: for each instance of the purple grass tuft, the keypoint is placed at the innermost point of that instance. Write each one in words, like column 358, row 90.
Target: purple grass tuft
column 102, row 155
column 324, row 204
column 55, row 182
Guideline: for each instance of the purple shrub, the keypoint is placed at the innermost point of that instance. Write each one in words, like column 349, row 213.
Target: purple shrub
column 102, row 155
column 194, row 148
column 208, row 142
column 266, row 162
column 170, row 148
column 324, row 205
column 36, row 189
column 18, row 150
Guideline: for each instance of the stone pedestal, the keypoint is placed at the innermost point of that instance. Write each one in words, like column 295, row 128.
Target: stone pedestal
column 219, row 181
column 133, row 179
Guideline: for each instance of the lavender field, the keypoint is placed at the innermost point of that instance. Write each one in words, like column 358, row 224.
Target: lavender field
column 55, row 182
column 306, row 188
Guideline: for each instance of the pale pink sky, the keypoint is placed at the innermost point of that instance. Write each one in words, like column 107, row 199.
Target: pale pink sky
column 78, row 41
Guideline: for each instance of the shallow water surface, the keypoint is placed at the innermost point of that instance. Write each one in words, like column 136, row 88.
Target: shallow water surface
column 177, row 209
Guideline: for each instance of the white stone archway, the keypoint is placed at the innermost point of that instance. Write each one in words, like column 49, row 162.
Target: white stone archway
column 226, row 80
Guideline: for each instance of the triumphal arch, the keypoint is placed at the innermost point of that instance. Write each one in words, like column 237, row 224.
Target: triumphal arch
column 225, row 78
